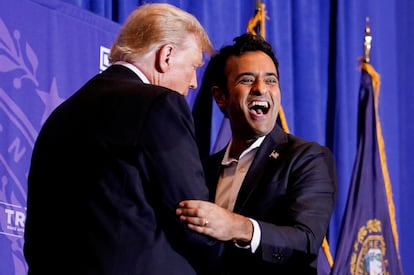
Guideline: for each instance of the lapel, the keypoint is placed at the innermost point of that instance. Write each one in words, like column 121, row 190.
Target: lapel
column 213, row 171
column 266, row 157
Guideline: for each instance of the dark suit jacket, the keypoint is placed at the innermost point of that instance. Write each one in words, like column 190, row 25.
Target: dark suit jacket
column 291, row 193
column 108, row 170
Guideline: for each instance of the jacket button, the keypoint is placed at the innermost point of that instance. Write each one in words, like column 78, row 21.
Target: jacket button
column 277, row 256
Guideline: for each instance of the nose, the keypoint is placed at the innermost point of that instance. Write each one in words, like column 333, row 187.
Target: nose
column 193, row 83
column 259, row 87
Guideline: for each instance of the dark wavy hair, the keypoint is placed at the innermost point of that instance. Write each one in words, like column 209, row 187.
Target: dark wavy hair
column 214, row 74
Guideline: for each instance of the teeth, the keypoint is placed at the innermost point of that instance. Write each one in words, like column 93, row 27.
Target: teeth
column 259, row 104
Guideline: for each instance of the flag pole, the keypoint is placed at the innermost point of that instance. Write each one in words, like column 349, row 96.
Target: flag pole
column 376, row 83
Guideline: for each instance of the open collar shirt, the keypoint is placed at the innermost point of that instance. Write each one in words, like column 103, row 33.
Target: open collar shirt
column 231, row 178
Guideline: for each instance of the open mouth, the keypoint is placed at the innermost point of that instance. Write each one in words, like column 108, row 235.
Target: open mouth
column 259, row 107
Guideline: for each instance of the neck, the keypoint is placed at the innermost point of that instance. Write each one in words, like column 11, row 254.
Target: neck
column 238, row 146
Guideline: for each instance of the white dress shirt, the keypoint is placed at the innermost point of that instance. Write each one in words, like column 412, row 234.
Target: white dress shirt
column 135, row 70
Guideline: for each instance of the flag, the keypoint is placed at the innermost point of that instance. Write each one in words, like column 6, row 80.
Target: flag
column 368, row 241
column 325, row 261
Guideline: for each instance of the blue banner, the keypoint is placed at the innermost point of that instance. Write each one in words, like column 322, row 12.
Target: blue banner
column 369, row 241
column 48, row 49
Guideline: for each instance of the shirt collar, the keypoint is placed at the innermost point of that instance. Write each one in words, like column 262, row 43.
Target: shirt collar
column 228, row 160
column 133, row 68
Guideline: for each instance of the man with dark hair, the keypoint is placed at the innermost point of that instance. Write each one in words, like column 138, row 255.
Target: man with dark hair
column 274, row 192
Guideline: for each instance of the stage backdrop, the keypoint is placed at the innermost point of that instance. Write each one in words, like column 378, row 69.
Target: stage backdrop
column 48, row 49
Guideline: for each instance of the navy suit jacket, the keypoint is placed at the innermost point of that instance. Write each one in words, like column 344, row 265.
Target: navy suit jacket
column 290, row 189
column 108, row 170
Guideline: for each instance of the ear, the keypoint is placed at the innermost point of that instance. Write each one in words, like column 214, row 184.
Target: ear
column 163, row 58
column 219, row 96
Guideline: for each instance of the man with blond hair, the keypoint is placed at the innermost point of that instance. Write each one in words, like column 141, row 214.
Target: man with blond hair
column 113, row 161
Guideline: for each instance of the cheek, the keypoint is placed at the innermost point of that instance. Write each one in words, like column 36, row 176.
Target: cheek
column 183, row 74
column 276, row 96
column 191, row 74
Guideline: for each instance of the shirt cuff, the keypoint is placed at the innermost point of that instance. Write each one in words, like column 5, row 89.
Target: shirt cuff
column 254, row 243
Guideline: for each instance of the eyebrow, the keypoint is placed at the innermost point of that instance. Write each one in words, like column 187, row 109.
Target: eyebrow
column 253, row 74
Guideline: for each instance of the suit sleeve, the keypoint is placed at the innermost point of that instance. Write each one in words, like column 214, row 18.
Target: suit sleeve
column 310, row 180
column 175, row 168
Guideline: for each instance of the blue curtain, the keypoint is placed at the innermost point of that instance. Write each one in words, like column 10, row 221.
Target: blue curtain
column 318, row 43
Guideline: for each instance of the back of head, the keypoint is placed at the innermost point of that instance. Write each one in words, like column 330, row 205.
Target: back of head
column 151, row 26
column 215, row 71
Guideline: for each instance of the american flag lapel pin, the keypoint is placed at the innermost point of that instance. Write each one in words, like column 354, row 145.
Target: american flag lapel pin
column 274, row 155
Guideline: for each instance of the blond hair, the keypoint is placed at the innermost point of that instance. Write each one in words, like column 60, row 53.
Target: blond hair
column 151, row 26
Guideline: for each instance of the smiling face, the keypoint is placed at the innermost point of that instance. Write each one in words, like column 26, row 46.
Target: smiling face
column 253, row 99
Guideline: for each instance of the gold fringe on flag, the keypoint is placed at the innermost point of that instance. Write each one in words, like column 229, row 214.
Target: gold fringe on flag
column 327, row 251
column 376, row 85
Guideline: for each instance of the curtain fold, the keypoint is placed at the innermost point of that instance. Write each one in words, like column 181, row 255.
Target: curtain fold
column 318, row 44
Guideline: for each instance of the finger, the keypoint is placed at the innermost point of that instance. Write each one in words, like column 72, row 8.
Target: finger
column 190, row 212
column 194, row 204
column 196, row 228
column 195, row 221
column 188, row 203
column 200, row 226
